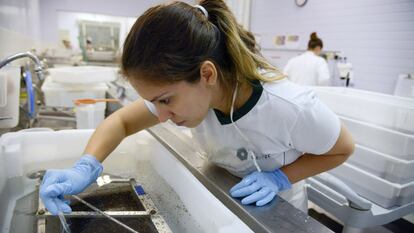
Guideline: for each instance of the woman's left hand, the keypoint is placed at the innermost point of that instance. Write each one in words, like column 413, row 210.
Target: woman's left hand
column 260, row 187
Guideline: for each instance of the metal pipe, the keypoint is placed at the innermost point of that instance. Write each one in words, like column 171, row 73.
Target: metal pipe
column 38, row 66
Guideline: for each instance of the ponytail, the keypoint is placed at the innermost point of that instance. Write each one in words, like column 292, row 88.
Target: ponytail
column 168, row 43
column 240, row 44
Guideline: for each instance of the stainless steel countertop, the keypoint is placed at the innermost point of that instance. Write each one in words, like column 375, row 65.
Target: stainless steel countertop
column 278, row 216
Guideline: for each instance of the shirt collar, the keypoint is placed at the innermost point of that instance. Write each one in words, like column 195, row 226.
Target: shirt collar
column 243, row 110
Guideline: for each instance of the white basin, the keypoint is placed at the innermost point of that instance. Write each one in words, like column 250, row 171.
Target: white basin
column 391, row 142
column 389, row 111
column 183, row 201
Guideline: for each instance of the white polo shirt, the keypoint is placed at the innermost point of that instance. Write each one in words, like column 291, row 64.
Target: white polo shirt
column 281, row 121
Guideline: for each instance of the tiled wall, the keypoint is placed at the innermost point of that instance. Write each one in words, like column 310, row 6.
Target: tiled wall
column 126, row 8
column 19, row 26
column 21, row 16
column 377, row 36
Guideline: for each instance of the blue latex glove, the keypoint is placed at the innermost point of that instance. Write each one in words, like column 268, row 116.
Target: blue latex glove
column 260, row 187
column 57, row 183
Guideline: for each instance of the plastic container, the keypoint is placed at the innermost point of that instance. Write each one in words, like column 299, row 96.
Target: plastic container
column 392, row 169
column 89, row 116
column 83, row 74
column 21, row 153
column 3, row 89
column 9, row 96
column 373, row 188
column 404, row 85
column 63, row 95
column 387, row 141
column 385, row 110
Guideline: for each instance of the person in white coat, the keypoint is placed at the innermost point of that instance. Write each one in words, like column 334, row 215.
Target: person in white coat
column 309, row 68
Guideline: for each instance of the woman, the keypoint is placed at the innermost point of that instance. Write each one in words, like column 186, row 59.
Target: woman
column 198, row 68
column 309, row 68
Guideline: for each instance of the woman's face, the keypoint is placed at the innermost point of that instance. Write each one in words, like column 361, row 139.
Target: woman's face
column 184, row 103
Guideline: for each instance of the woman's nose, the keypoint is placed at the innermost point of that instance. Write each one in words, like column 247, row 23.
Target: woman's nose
column 164, row 114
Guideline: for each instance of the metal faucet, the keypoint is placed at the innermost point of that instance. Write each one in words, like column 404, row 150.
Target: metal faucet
column 38, row 69
column 38, row 66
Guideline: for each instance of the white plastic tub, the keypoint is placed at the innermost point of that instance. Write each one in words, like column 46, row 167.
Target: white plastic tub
column 83, row 74
column 391, row 142
column 9, row 96
column 389, row 168
column 24, row 152
column 373, row 188
column 386, row 110
column 62, row 95
column 89, row 116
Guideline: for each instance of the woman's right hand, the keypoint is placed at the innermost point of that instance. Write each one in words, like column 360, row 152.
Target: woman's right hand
column 57, row 183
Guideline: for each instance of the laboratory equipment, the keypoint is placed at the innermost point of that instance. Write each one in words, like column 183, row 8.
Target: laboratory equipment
column 346, row 73
column 10, row 89
column 405, row 85
column 65, row 225
column 90, row 112
column 89, row 116
column 104, row 214
column 340, row 70
column 121, row 204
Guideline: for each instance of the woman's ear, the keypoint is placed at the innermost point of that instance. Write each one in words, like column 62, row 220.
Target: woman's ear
column 208, row 73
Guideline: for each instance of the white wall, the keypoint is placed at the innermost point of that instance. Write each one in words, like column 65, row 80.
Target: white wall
column 68, row 21
column 21, row 16
column 49, row 11
column 27, row 24
column 377, row 36
column 19, row 26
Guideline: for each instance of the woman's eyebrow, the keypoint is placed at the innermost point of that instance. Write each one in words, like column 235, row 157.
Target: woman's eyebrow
column 158, row 97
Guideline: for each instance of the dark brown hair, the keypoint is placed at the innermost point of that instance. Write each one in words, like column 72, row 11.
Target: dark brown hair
column 314, row 41
column 169, row 43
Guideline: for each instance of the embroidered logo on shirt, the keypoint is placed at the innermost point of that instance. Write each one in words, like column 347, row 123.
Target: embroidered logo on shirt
column 242, row 154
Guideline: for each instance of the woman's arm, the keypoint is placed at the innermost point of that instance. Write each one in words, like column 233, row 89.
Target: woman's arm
column 309, row 165
column 122, row 123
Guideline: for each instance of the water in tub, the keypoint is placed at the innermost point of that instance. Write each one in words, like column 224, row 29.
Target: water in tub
column 121, row 163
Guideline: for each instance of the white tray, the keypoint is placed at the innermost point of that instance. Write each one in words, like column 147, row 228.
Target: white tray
column 373, row 188
column 391, row 142
column 83, row 74
column 386, row 110
column 389, row 168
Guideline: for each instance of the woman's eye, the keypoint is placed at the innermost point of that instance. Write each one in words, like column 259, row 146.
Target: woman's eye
column 164, row 101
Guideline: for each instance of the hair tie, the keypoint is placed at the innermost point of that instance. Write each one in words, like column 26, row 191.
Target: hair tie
column 202, row 9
